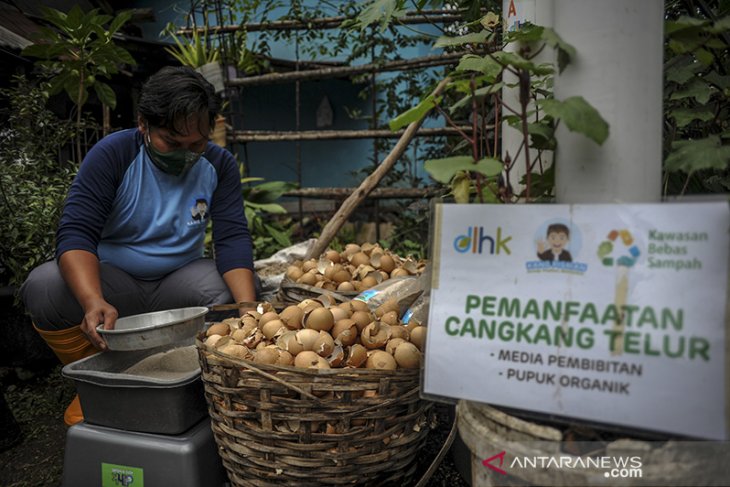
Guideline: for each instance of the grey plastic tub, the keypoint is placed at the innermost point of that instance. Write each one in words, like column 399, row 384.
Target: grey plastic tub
column 164, row 403
column 150, row 330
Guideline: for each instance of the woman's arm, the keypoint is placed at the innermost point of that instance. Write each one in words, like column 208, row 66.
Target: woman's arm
column 241, row 284
column 80, row 270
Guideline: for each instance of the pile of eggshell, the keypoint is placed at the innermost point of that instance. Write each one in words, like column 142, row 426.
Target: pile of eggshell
column 315, row 334
column 355, row 269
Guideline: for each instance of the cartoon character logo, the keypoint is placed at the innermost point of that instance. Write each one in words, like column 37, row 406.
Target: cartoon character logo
column 558, row 241
column 557, row 244
column 199, row 210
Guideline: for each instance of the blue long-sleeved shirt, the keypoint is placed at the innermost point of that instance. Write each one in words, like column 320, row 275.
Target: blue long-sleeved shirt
column 132, row 215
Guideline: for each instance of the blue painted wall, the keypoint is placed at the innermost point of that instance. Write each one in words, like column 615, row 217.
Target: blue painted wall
column 324, row 163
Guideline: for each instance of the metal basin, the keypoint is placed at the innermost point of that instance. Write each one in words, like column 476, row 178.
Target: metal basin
column 150, row 330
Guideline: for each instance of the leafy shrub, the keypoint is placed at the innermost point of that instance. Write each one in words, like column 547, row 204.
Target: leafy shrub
column 269, row 233
column 697, row 98
column 268, row 222
column 33, row 183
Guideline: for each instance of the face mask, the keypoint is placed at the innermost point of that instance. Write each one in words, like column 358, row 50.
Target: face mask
column 177, row 162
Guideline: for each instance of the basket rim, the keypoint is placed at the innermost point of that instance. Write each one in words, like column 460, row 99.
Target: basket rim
column 341, row 372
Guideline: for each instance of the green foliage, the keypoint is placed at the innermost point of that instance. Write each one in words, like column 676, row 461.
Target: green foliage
column 414, row 114
column 78, row 50
column 697, row 87
column 33, row 184
column 478, row 80
column 473, row 38
column 380, row 12
column 487, row 65
column 394, row 92
column 578, row 115
column 697, row 98
column 194, row 52
column 698, row 154
column 269, row 234
column 268, row 223
column 443, row 170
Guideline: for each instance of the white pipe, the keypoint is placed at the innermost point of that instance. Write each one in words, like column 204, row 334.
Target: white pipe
column 618, row 70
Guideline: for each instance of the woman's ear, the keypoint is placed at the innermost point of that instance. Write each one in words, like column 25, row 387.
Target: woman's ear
column 141, row 125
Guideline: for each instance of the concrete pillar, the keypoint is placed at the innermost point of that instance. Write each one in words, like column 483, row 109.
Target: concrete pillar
column 618, row 70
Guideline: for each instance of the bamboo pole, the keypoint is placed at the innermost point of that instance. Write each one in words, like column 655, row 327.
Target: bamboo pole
column 423, row 17
column 283, row 136
column 380, row 193
column 286, row 63
column 341, row 71
column 369, row 183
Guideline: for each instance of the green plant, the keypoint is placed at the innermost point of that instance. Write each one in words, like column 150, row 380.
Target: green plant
column 33, row 184
column 269, row 235
column 387, row 95
column 477, row 81
column 696, row 92
column 270, row 228
column 697, row 98
column 194, row 52
column 76, row 52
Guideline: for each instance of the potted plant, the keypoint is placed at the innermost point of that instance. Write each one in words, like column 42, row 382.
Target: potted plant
column 197, row 54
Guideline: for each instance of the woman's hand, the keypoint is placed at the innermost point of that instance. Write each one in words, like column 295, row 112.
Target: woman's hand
column 97, row 312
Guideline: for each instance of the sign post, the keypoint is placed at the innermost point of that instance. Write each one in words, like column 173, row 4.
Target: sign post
column 608, row 313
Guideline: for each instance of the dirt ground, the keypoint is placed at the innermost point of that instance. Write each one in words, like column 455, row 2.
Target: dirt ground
column 37, row 402
column 37, row 394
column 38, row 399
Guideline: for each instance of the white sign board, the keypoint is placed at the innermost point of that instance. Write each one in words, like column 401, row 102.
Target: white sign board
column 612, row 313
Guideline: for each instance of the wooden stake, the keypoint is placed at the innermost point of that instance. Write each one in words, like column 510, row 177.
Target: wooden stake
column 274, row 136
column 344, row 71
column 369, row 183
column 380, row 193
column 422, row 17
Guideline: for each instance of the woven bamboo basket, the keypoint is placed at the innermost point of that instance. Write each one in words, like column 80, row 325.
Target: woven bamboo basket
column 277, row 425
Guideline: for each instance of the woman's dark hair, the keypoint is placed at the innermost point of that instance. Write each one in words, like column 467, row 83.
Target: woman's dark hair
column 173, row 94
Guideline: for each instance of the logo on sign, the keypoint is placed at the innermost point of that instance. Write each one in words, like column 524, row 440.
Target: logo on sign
column 121, row 476
column 124, row 479
column 557, row 244
column 630, row 253
column 476, row 241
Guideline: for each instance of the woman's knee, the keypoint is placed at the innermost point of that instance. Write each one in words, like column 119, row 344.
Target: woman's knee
column 48, row 299
column 197, row 284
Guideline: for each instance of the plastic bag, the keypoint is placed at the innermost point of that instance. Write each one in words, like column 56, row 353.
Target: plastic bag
column 405, row 290
column 417, row 313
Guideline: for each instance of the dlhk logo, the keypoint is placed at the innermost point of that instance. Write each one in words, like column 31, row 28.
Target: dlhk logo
column 475, row 238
